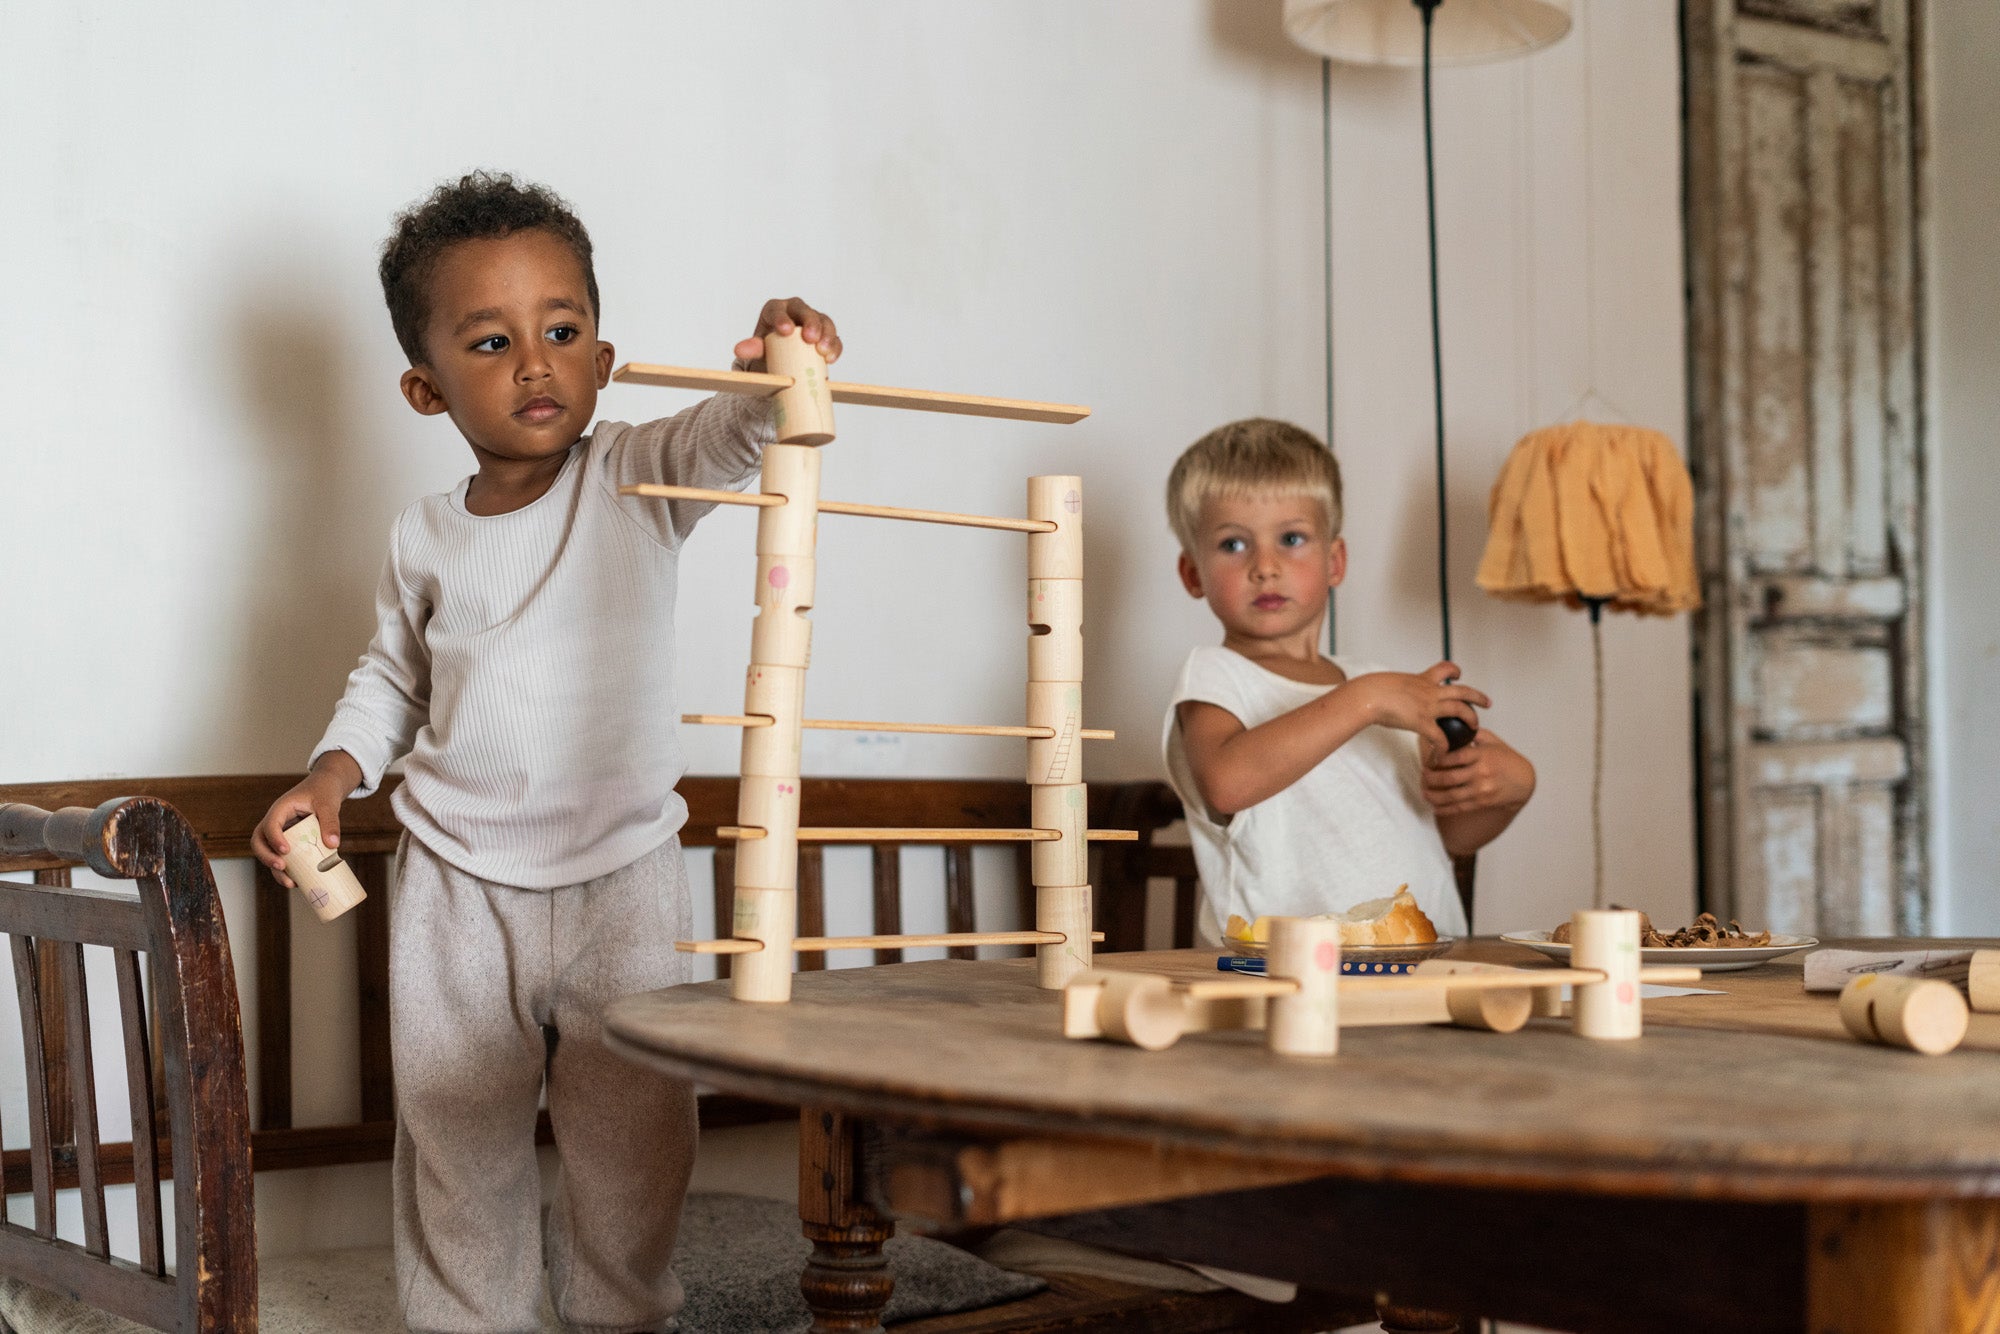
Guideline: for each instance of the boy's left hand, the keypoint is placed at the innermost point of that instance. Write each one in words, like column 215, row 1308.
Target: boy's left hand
column 1487, row 774
column 783, row 315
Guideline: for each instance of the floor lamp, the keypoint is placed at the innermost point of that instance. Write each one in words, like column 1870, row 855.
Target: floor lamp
column 1426, row 33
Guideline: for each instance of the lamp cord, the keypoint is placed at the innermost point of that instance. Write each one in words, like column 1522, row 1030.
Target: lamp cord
column 1596, row 606
column 1326, row 256
column 1428, row 8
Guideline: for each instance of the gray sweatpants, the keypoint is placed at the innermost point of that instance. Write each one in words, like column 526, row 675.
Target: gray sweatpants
column 495, row 991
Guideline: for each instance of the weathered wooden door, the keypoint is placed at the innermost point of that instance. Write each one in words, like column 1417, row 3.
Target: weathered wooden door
column 1808, row 454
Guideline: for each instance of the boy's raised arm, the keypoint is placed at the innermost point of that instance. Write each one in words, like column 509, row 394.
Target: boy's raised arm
column 1236, row 767
column 716, row 444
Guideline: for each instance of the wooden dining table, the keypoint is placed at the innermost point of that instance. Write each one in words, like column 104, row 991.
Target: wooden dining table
column 1743, row 1166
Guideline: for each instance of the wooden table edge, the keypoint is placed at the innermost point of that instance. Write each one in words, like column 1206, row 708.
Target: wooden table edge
column 1259, row 1157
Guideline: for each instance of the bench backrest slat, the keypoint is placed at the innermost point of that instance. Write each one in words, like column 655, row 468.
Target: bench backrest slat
column 273, row 908
column 885, row 869
column 75, row 1000
column 41, row 1156
column 371, row 945
column 958, row 913
column 140, row 1092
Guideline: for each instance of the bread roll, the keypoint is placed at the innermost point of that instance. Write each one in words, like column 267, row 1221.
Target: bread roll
column 1392, row 921
column 1396, row 920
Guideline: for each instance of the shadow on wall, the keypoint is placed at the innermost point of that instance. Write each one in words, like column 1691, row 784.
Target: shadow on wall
column 1253, row 31
column 315, row 541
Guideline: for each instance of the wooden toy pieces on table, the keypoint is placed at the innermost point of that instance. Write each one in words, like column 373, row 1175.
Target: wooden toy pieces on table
column 763, row 933
column 1923, row 1014
column 328, row 882
column 1303, row 1002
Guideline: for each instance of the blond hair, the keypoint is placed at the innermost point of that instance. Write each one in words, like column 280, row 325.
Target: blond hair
column 1253, row 457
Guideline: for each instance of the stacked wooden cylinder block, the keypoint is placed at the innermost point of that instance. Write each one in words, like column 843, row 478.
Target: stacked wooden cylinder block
column 767, row 868
column 1058, row 799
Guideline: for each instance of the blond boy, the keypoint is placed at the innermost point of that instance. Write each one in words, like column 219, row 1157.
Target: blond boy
column 1311, row 783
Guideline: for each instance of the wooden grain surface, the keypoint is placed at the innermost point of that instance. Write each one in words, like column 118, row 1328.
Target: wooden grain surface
column 1785, row 1108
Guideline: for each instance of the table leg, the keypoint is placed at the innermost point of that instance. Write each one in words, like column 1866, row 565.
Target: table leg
column 1924, row 1267
column 846, row 1280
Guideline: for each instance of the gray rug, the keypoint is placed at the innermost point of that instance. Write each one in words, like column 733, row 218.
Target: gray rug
column 739, row 1259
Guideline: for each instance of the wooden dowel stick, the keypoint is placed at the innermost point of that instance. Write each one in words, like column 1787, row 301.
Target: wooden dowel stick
column 808, row 944
column 761, row 385
column 848, row 725
column 659, row 491
column 935, row 516
column 812, row 944
column 866, row 834
column 1240, row 988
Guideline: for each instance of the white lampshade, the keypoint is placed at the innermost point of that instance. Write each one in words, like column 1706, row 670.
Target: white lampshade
column 1391, row 32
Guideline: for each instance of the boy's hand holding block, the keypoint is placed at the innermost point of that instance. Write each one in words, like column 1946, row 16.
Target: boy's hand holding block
column 327, row 882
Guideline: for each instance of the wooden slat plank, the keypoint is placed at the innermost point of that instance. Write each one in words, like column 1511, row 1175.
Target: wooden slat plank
column 371, row 944
column 41, row 1148
column 144, row 1145
column 83, row 1100
column 725, row 898
column 959, row 912
column 1024, row 888
column 811, row 919
column 116, row 1287
column 886, row 862
column 55, row 1033
column 1803, row 48
column 274, row 1000
column 50, row 912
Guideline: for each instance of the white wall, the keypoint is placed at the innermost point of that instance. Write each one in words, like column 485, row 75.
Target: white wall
column 1963, row 294
column 1074, row 199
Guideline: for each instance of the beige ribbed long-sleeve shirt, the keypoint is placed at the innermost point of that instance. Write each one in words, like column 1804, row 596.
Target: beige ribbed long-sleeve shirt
column 525, row 662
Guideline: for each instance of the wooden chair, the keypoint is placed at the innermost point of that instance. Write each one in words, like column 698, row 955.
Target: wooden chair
column 183, row 1050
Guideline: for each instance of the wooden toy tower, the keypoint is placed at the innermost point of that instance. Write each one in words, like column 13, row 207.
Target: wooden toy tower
column 763, row 936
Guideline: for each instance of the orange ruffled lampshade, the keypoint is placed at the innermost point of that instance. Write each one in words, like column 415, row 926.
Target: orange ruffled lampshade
column 1586, row 512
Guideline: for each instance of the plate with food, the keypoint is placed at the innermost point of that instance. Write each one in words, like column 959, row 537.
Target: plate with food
column 1390, row 930
column 1706, row 944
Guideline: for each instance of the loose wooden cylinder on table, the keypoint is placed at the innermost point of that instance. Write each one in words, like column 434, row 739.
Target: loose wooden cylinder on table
column 791, row 471
column 1982, row 981
column 805, row 408
column 1606, row 940
column 1065, row 809
column 770, row 916
column 322, row 876
column 1494, row 1011
column 1058, row 706
column 1065, row 909
column 1305, row 950
column 1141, row 1008
column 1922, row 1014
column 782, row 633
column 1056, row 555
column 1055, row 622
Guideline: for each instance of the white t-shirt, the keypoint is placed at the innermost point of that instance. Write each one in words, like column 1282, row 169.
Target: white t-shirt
column 1353, row 828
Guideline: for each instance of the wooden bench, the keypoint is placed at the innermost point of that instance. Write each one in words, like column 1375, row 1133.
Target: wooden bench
column 186, row 1061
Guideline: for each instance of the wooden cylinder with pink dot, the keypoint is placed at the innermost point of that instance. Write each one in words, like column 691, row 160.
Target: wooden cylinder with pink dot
column 766, row 902
column 1305, row 951
column 1606, row 941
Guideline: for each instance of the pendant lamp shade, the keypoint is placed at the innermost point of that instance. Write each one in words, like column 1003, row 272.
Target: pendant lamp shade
column 1391, row 32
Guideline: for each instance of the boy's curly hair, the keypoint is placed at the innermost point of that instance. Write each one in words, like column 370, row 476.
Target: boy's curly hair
column 477, row 206
column 1257, row 456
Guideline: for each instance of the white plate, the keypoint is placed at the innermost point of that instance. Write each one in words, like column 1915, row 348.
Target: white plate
column 1724, row 959
column 1251, row 949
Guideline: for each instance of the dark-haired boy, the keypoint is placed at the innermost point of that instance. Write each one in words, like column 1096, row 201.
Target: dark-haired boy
column 524, row 660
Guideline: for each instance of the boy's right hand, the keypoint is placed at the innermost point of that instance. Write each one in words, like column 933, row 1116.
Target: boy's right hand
column 320, row 793
column 1415, row 703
